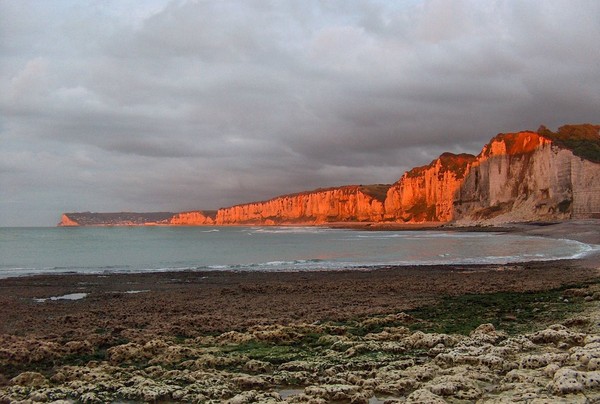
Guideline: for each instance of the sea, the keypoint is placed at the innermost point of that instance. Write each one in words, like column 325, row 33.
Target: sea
column 106, row 250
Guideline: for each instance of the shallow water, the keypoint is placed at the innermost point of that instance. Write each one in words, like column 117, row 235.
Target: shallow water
column 70, row 296
column 25, row 251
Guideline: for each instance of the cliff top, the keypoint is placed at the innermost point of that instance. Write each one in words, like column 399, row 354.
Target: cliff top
column 515, row 143
column 208, row 213
column 376, row 191
column 456, row 163
column 583, row 140
column 93, row 219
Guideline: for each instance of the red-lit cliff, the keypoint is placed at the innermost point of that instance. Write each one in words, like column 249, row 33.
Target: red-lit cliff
column 426, row 194
column 344, row 204
column 193, row 218
column 523, row 176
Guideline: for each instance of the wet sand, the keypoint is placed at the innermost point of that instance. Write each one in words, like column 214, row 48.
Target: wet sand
column 191, row 303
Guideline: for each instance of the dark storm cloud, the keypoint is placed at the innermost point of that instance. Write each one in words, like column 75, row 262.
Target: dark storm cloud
column 174, row 105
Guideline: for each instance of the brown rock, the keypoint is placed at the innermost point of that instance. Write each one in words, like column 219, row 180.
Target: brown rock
column 30, row 379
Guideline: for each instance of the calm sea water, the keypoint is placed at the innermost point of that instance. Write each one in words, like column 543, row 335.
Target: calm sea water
column 25, row 251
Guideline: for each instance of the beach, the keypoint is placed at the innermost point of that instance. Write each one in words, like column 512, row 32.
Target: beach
column 318, row 336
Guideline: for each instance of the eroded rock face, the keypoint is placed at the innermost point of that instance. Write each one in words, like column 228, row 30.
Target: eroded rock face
column 66, row 221
column 349, row 203
column 519, row 177
column 426, row 194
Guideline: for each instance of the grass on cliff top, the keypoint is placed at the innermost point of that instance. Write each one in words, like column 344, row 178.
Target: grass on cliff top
column 583, row 140
column 377, row 191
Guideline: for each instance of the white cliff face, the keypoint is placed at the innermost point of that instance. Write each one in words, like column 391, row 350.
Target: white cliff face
column 524, row 177
column 517, row 177
column 585, row 180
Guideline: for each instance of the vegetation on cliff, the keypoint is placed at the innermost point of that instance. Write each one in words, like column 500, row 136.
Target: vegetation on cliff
column 376, row 191
column 449, row 162
column 583, row 140
column 137, row 219
column 118, row 218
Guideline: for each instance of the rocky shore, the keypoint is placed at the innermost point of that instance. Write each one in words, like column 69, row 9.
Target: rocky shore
column 525, row 332
column 323, row 363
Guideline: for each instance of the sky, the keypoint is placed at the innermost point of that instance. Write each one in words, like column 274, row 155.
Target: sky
column 175, row 105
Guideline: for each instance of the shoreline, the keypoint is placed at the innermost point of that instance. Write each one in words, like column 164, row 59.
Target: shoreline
column 248, row 336
column 583, row 231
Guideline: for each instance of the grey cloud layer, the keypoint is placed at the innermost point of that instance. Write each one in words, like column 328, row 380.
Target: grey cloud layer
column 199, row 104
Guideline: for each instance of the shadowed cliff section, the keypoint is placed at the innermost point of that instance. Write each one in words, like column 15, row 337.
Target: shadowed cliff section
column 522, row 176
column 137, row 219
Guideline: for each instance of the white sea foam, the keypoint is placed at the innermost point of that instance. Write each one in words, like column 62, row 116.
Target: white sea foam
column 291, row 230
column 423, row 235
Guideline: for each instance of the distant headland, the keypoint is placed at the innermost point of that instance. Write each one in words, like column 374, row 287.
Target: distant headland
column 517, row 177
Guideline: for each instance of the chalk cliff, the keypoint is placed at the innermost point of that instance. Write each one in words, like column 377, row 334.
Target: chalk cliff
column 517, row 177
column 520, row 176
column 193, row 218
column 523, row 176
column 426, row 194
column 343, row 204
column 66, row 221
